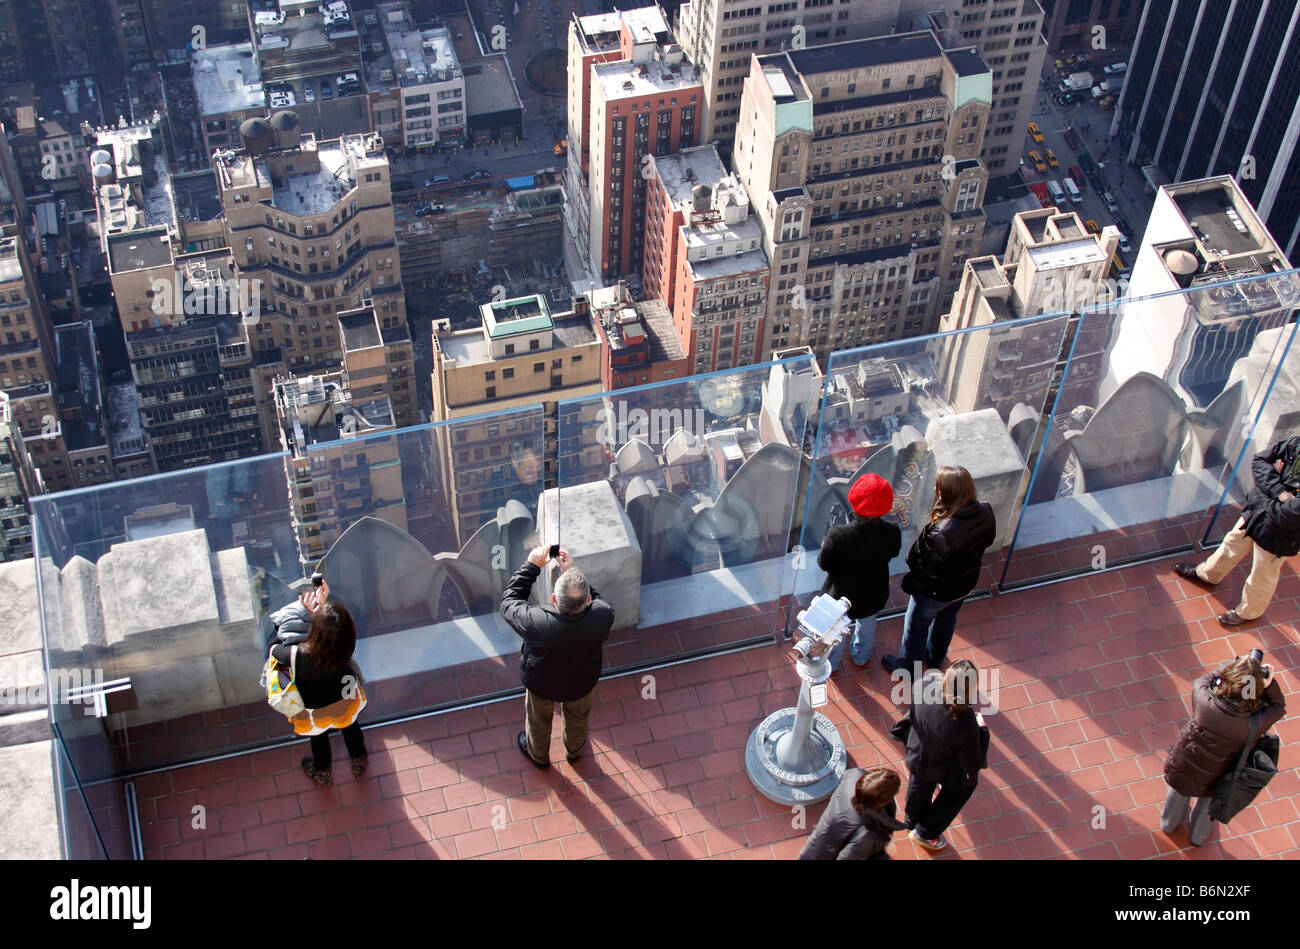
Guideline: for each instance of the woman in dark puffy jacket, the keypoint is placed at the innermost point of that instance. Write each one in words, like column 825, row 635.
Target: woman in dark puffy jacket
column 947, row 744
column 1213, row 738
column 859, row 818
column 856, row 559
column 943, row 566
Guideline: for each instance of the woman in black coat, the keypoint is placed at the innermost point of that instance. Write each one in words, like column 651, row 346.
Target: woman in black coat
column 947, row 745
column 856, row 558
column 859, row 818
column 1213, row 738
column 943, row 566
column 329, row 685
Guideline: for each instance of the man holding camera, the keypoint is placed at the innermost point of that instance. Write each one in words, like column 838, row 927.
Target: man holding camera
column 1269, row 526
column 560, row 659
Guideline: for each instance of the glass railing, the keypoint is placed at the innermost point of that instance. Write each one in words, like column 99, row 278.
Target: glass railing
column 1160, row 407
column 972, row 397
column 697, row 506
column 679, row 499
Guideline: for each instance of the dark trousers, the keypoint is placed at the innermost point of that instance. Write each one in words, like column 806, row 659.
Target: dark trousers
column 320, row 746
column 930, row 815
column 928, row 628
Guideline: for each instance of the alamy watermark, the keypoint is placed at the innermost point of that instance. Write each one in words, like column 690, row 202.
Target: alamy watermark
column 221, row 297
column 979, row 689
column 66, row 686
column 619, row 425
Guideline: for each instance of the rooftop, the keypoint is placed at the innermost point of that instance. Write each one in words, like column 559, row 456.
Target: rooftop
column 489, row 87
column 139, row 250
column 681, row 172
column 865, row 54
column 628, row 80
column 227, row 79
column 79, row 394
column 528, row 314
column 1065, row 253
column 127, row 434
column 600, row 31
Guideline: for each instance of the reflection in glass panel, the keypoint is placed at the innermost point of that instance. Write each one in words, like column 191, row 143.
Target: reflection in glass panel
column 972, row 398
column 679, row 479
column 1150, row 424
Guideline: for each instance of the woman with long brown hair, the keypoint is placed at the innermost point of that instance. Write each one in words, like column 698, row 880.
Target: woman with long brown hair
column 1209, row 743
column 329, row 686
column 859, row 818
column 947, row 745
column 943, row 566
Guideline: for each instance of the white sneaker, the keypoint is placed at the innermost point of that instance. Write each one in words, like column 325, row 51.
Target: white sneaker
column 937, row 844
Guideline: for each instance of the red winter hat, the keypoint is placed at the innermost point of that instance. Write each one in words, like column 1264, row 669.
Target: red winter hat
column 871, row 496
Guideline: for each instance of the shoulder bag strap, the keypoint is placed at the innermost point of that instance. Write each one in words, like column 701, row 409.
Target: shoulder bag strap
column 1255, row 719
column 293, row 663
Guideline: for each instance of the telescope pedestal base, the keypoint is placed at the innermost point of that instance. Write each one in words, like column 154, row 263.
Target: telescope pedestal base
column 823, row 760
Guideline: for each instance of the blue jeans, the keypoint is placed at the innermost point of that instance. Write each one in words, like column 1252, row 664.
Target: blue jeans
column 927, row 630
column 860, row 642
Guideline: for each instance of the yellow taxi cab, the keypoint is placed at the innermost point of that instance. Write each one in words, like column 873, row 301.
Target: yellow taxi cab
column 1035, row 132
column 1036, row 160
column 1091, row 227
column 1051, row 158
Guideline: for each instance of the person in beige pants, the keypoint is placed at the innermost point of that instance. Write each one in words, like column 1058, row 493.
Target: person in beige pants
column 1269, row 527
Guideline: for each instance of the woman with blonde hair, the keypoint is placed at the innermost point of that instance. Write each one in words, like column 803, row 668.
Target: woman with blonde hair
column 947, row 745
column 943, row 566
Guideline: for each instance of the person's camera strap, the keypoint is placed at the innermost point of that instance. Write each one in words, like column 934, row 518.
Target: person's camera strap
column 1255, row 719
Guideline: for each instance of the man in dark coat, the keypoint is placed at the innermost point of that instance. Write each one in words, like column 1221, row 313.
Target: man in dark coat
column 560, row 659
column 1269, row 526
column 1212, row 739
column 856, row 559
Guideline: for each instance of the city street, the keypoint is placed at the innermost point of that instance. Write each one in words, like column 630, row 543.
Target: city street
column 1124, row 182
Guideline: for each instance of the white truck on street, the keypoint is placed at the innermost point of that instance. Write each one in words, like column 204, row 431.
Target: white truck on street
column 1077, row 82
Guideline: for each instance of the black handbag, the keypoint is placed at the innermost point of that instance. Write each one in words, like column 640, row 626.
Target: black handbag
column 1256, row 766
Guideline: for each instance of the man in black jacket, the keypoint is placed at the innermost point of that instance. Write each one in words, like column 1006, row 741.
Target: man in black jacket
column 560, row 659
column 1269, row 525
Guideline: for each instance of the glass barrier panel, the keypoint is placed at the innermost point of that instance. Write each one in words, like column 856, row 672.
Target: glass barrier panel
column 973, row 398
column 678, row 499
column 174, row 586
column 77, row 832
column 1160, row 407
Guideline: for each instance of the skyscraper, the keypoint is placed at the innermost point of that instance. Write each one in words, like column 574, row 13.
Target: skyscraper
column 1213, row 88
column 637, row 97
column 861, row 163
column 719, row 36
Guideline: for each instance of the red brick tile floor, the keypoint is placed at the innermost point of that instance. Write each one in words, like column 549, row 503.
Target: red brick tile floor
column 1094, row 683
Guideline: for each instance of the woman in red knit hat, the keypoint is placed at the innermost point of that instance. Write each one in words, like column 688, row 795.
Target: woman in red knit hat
column 856, row 559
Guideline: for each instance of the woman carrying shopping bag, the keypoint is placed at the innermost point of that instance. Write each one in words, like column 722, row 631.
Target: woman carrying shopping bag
column 1208, row 747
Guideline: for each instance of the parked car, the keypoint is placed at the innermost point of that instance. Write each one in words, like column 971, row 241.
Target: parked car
column 437, row 180
column 1071, row 139
column 1111, row 204
column 1036, row 160
column 1035, row 132
column 326, row 90
column 1077, row 174
column 1125, row 244
column 1051, row 158
column 1114, row 69
column 479, row 175
column 308, row 94
column 421, row 208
